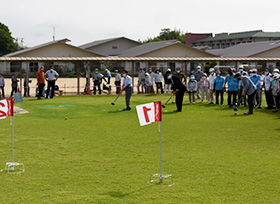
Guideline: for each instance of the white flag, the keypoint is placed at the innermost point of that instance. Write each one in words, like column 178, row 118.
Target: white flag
column 149, row 112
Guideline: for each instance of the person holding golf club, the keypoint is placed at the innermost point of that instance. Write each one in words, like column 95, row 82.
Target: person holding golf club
column 179, row 89
column 249, row 89
column 127, row 87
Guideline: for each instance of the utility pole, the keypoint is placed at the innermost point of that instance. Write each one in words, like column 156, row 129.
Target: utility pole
column 53, row 33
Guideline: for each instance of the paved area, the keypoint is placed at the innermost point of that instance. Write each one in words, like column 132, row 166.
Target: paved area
column 18, row 110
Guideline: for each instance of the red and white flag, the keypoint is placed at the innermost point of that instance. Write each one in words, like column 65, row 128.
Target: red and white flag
column 149, row 112
column 6, row 108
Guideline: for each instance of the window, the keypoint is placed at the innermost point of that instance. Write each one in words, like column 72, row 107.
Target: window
column 114, row 47
column 33, row 66
column 171, row 65
column 15, row 66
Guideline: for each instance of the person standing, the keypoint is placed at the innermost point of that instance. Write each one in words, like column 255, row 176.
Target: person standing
column 118, row 79
column 26, row 85
column 2, row 85
column 51, row 76
column 167, row 82
column 219, row 84
column 96, row 78
column 40, row 82
column 158, row 80
column 109, row 75
column 191, row 89
column 181, row 75
column 275, row 91
column 241, row 99
column 268, row 89
column 204, row 85
column 127, row 86
column 178, row 88
column 198, row 75
column 249, row 88
column 141, row 80
column 212, row 77
column 256, row 79
column 149, row 83
column 232, row 88
column 14, row 84
column 151, row 73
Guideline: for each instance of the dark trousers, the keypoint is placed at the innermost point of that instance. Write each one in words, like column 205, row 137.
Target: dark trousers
column 109, row 78
column 233, row 94
column 128, row 93
column 241, row 98
column 51, row 84
column 3, row 93
column 41, row 88
column 14, row 90
column 179, row 100
column 96, row 84
column 220, row 92
column 159, row 86
column 251, row 101
column 277, row 102
column 26, row 91
column 118, row 84
column 269, row 99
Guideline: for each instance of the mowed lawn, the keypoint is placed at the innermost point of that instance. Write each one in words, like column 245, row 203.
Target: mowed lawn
column 102, row 155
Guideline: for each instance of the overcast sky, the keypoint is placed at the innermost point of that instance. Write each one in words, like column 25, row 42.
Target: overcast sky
column 84, row 21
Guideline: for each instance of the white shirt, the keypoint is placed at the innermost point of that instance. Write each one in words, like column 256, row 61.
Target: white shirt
column 211, row 80
column 118, row 77
column 267, row 81
column 51, row 75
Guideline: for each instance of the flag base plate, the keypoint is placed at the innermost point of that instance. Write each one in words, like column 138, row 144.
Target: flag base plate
column 13, row 168
column 164, row 179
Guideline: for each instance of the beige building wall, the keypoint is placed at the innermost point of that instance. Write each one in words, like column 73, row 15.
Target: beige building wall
column 270, row 53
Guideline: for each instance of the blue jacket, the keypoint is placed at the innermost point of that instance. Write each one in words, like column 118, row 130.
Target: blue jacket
column 232, row 83
column 219, row 83
column 255, row 80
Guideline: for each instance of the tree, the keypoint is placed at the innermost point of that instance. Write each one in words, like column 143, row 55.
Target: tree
column 167, row 34
column 7, row 44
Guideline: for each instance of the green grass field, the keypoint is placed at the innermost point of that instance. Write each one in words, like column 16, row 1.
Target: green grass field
column 102, row 155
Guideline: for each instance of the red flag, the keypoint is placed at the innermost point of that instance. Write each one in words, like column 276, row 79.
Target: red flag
column 10, row 103
column 158, row 111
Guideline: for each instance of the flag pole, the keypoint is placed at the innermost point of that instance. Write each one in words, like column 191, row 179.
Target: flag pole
column 12, row 141
column 160, row 127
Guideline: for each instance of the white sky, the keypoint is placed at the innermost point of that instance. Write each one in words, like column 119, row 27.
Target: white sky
column 84, row 21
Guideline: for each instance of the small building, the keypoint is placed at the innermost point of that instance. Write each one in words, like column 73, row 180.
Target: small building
column 224, row 40
column 58, row 48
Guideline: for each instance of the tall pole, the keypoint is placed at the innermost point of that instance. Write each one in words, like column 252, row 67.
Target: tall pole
column 160, row 128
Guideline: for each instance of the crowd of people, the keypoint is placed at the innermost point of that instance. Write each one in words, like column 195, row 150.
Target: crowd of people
column 242, row 87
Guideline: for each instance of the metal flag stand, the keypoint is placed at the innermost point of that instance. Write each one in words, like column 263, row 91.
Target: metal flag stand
column 157, row 179
column 13, row 167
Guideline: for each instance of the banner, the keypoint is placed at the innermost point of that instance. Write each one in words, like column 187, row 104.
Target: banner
column 149, row 112
column 6, row 108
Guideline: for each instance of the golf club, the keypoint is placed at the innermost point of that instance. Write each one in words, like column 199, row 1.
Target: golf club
column 113, row 103
column 235, row 107
column 168, row 99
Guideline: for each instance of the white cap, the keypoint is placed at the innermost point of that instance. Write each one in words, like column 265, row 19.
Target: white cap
column 276, row 70
column 211, row 70
column 169, row 70
column 241, row 66
column 192, row 77
column 198, row 67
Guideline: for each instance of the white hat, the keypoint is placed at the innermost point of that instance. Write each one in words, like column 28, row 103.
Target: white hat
column 198, row 67
column 169, row 70
column 211, row 70
column 192, row 77
column 276, row 70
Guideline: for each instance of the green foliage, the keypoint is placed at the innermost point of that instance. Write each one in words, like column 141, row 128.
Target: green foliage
column 101, row 155
column 167, row 34
column 212, row 64
column 7, row 44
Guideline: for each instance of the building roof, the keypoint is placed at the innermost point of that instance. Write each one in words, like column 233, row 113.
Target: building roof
column 247, row 34
column 246, row 49
column 99, row 42
column 150, row 47
column 64, row 41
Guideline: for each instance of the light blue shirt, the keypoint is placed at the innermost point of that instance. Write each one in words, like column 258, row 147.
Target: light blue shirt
column 219, row 83
column 109, row 74
column 51, row 75
column 127, row 80
column 232, row 83
column 256, row 79
column 249, row 86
